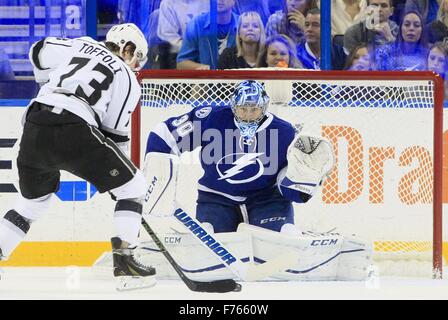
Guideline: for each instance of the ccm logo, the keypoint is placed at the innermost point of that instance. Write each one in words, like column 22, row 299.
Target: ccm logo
column 173, row 240
column 324, row 242
column 273, row 219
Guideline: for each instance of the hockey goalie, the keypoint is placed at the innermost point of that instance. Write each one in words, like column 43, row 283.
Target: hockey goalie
column 255, row 166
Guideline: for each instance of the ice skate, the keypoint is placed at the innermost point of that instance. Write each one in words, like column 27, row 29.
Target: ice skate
column 129, row 273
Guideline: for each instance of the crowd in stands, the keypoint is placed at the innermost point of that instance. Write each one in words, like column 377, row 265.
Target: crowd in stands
column 366, row 34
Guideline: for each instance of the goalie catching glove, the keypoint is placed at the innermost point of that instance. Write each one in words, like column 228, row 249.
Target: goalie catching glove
column 310, row 160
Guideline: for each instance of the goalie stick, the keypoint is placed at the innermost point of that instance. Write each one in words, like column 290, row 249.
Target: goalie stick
column 220, row 286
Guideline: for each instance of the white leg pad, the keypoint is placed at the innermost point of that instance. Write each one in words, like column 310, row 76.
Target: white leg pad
column 356, row 259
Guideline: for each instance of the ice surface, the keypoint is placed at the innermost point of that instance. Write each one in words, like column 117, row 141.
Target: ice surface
column 82, row 283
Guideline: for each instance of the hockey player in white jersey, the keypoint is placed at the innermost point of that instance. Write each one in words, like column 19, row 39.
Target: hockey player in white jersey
column 79, row 122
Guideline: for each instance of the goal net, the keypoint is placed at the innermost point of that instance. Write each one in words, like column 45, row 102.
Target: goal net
column 386, row 130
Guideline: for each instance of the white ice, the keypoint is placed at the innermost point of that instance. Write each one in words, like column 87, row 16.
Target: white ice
column 82, row 283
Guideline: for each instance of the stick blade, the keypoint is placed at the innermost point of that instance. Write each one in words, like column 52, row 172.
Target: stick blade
column 219, row 286
column 272, row 266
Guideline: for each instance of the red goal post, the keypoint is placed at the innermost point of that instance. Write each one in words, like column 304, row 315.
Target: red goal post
column 396, row 116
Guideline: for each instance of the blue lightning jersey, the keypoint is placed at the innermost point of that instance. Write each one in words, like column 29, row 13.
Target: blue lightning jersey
column 233, row 167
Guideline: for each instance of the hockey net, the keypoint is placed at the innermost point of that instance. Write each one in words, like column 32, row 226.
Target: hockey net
column 386, row 129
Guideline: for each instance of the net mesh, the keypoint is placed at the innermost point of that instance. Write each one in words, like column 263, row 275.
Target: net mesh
column 382, row 133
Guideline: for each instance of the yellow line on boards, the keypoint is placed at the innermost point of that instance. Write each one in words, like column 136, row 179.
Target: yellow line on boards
column 56, row 254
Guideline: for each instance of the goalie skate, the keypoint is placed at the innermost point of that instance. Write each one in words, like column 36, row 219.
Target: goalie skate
column 129, row 273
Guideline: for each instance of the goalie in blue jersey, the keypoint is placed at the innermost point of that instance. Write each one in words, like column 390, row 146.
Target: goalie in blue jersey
column 255, row 164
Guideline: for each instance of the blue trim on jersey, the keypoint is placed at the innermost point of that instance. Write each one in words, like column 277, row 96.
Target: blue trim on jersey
column 157, row 144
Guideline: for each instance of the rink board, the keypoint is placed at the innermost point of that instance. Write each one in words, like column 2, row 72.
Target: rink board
column 77, row 227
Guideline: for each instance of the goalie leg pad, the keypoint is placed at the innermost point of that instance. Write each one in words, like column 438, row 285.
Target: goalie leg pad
column 356, row 259
column 326, row 256
column 159, row 171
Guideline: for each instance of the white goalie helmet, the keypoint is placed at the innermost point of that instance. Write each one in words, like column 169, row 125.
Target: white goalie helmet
column 249, row 93
column 126, row 33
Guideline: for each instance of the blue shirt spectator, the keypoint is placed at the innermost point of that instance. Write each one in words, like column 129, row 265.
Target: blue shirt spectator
column 204, row 41
column 290, row 20
column 308, row 51
column 259, row 6
column 174, row 17
column 427, row 8
column 409, row 51
column 438, row 29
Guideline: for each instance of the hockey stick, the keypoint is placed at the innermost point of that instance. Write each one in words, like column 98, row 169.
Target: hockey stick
column 220, row 286
column 226, row 285
column 246, row 272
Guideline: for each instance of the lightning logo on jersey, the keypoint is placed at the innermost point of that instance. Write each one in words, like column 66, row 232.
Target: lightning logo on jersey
column 239, row 165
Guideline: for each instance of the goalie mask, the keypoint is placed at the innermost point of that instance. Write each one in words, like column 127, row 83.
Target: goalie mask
column 128, row 33
column 249, row 104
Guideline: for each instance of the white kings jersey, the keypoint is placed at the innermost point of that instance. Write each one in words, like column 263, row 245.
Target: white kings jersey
column 82, row 76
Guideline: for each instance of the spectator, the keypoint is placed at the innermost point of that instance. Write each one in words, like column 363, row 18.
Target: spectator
column 345, row 13
column 399, row 6
column 290, row 21
column 107, row 11
column 438, row 29
column 250, row 40
column 409, row 51
column 382, row 33
column 202, row 45
column 130, row 11
column 438, row 62
column 275, row 5
column 438, row 58
column 279, row 51
column 259, row 6
column 6, row 72
column 427, row 8
column 308, row 51
column 359, row 59
column 174, row 16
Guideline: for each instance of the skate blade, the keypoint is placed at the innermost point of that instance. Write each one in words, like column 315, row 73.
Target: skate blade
column 127, row 283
